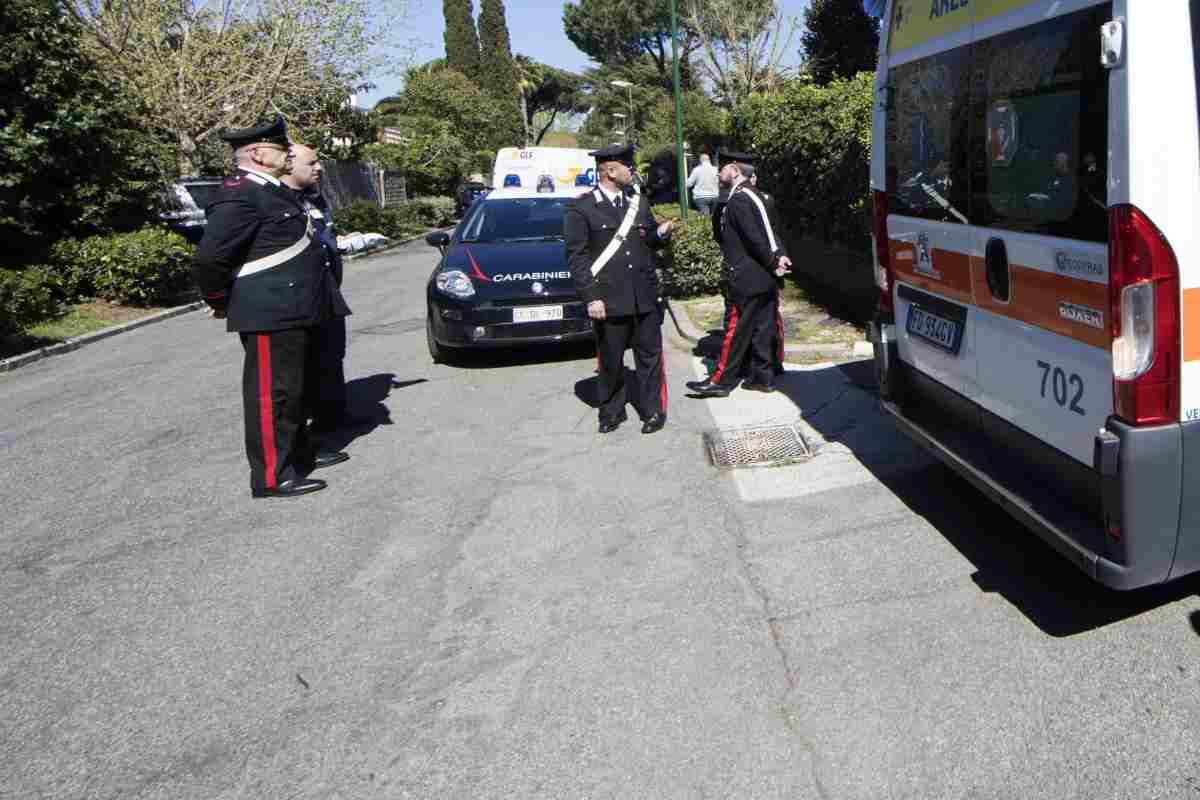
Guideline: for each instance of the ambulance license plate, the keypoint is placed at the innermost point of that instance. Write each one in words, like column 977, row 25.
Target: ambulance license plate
column 537, row 314
column 937, row 330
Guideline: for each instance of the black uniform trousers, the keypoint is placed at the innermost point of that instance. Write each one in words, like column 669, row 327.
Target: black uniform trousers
column 750, row 345
column 273, row 393
column 777, row 348
column 643, row 333
column 326, row 375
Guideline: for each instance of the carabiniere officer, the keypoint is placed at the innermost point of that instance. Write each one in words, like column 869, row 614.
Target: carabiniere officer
column 610, row 233
column 262, row 268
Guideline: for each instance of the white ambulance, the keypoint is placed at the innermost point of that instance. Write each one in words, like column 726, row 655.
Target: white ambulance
column 524, row 166
column 1035, row 172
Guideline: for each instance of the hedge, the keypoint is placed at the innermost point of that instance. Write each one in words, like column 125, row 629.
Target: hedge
column 363, row 216
column 26, row 297
column 813, row 146
column 694, row 259
column 146, row 267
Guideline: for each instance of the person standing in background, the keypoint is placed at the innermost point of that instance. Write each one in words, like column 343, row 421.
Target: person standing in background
column 705, row 185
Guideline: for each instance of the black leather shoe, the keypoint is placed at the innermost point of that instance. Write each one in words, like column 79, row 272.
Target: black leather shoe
column 327, row 458
column 610, row 424
column 709, row 389
column 655, row 423
column 759, row 387
column 292, row 488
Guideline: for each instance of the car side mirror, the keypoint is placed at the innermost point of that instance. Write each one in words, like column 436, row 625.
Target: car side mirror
column 438, row 239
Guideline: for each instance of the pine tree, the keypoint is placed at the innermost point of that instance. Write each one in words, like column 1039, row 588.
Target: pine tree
column 839, row 39
column 462, row 42
column 498, row 74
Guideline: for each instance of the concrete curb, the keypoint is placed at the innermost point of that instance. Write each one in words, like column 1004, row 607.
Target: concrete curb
column 76, row 342
column 688, row 330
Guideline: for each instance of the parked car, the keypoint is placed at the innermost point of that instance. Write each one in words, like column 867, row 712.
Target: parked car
column 503, row 277
column 185, row 203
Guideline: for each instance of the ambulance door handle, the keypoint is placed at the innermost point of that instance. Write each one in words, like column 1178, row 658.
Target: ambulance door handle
column 996, row 263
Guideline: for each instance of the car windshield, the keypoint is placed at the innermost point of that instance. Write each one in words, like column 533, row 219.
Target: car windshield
column 523, row 219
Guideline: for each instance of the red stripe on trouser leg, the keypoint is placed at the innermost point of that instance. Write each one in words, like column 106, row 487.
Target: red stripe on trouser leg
column 662, row 389
column 266, row 411
column 723, row 361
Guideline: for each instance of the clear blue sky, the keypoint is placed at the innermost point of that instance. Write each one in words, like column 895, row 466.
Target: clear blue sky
column 535, row 28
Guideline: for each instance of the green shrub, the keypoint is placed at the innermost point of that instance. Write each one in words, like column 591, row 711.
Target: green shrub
column 665, row 211
column 394, row 222
column 150, row 266
column 694, row 266
column 813, row 147
column 361, row 216
column 73, row 271
column 434, row 212
column 26, row 297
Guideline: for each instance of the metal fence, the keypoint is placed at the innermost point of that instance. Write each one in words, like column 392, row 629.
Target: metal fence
column 343, row 182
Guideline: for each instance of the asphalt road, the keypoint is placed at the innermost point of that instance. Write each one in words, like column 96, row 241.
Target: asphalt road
column 492, row 601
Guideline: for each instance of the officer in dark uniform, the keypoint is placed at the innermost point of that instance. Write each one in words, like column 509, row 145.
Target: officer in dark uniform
column 755, row 262
column 615, row 275
column 326, row 376
column 261, row 267
column 777, row 349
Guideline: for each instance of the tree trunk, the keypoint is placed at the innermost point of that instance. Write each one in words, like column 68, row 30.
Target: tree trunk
column 525, row 117
column 185, row 153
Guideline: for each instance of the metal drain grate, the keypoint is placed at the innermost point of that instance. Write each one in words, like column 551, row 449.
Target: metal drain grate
column 756, row 447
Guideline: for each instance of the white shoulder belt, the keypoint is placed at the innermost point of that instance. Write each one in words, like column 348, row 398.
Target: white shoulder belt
column 622, row 232
column 275, row 259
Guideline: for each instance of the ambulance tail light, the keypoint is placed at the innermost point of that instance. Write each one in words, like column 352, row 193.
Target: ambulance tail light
column 879, row 238
column 1143, row 296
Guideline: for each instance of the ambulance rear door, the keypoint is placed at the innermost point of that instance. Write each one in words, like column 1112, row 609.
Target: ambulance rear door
column 1039, row 259
column 930, row 238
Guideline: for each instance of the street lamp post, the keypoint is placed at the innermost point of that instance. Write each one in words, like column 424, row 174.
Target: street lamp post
column 681, row 164
column 624, row 133
column 628, row 87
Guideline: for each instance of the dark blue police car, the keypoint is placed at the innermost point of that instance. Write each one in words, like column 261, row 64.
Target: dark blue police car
column 503, row 277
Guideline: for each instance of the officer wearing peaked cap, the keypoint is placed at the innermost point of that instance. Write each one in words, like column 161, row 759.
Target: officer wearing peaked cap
column 262, row 268
column 755, row 261
column 610, row 233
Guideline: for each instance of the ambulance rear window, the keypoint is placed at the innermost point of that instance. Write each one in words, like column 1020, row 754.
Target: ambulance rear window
column 1009, row 132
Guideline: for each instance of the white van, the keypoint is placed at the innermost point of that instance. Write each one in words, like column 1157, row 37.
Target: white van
column 1035, row 172
column 524, row 167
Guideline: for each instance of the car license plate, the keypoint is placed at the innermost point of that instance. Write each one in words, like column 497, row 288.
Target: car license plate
column 938, row 330
column 537, row 314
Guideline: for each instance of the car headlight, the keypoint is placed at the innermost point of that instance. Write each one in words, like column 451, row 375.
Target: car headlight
column 455, row 283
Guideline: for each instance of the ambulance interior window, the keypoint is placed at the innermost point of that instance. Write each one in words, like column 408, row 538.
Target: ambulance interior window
column 1040, row 129
column 927, row 137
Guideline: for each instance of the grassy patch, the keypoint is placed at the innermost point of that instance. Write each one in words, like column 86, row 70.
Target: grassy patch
column 77, row 320
column 808, row 317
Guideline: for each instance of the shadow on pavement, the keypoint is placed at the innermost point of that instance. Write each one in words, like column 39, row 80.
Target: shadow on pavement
column 588, row 389
column 365, row 400
column 1008, row 559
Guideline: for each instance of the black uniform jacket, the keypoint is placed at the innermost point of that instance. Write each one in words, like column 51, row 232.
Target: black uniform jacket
column 322, row 219
column 750, row 243
column 252, row 218
column 628, row 283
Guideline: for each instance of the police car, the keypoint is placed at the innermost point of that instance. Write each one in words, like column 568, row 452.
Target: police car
column 503, row 278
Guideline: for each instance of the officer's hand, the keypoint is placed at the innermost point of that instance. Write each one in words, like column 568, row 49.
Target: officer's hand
column 216, row 313
column 596, row 309
column 784, row 267
column 667, row 227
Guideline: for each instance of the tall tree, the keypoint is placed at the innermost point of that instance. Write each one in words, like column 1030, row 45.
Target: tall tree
column 462, row 40
column 742, row 45
column 499, row 74
column 199, row 66
column 73, row 158
column 546, row 92
column 840, row 39
column 620, row 31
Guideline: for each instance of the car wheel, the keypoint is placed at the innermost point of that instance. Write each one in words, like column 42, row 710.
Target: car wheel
column 439, row 353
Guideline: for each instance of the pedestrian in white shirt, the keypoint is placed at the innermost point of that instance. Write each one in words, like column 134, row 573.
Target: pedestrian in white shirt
column 705, row 185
